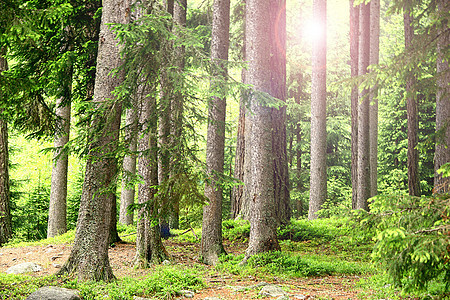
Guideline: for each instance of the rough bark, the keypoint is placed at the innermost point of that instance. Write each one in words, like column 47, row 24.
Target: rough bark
column 278, row 90
column 176, row 111
column 89, row 255
column 58, row 194
column 238, row 190
column 211, row 245
column 412, row 115
column 149, row 247
column 5, row 214
column 318, row 184
column 363, row 186
column 442, row 153
column 263, row 217
column 373, row 107
column 129, row 165
column 354, row 46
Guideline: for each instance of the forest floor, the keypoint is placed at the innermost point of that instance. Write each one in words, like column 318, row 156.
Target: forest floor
column 217, row 284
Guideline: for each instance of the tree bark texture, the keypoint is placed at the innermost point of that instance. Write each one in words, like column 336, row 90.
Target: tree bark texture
column 238, row 191
column 149, row 247
column 211, row 245
column 89, row 255
column 5, row 213
column 129, row 164
column 58, row 194
column 318, row 184
column 278, row 90
column 373, row 107
column 363, row 167
column 176, row 111
column 354, row 53
column 412, row 115
column 263, row 218
column 442, row 153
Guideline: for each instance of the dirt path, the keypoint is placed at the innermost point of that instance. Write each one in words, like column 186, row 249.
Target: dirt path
column 51, row 257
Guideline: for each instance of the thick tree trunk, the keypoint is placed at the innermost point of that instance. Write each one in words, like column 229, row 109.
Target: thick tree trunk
column 211, row 246
column 278, row 90
column 373, row 107
column 412, row 115
column 442, row 153
column 318, row 184
column 363, row 167
column 58, row 193
column 129, row 165
column 89, row 255
column 263, row 216
column 354, row 53
column 5, row 214
column 149, row 247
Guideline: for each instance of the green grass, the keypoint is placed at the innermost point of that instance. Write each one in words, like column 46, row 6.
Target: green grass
column 162, row 283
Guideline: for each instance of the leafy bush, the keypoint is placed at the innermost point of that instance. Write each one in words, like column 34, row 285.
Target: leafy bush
column 304, row 230
column 236, row 230
column 412, row 239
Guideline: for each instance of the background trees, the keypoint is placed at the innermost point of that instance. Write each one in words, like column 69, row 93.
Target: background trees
column 178, row 78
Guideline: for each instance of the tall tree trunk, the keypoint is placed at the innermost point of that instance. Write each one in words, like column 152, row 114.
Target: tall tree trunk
column 166, row 98
column 129, row 165
column 263, row 217
column 373, row 107
column 211, row 246
column 5, row 214
column 238, row 190
column 149, row 247
column 58, row 194
column 176, row 111
column 363, row 189
column 278, row 90
column 89, row 255
column 354, row 53
column 442, row 153
column 412, row 114
column 318, row 184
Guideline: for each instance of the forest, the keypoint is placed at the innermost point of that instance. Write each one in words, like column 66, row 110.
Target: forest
column 225, row 149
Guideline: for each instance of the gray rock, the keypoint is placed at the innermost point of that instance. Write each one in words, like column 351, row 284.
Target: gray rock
column 187, row 293
column 26, row 267
column 283, row 298
column 272, row 291
column 238, row 288
column 54, row 293
column 259, row 284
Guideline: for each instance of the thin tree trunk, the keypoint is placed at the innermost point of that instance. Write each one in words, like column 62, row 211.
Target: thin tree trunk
column 318, row 184
column 58, row 194
column 442, row 153
column 373, row 107
column 149, row 247
column 263, row 217
column 129, row 165
column 354, row 46
column 278, row 90
column 412, row 114
column 89, row 255
column 212, row 246
column 363, row 189
column 5, row 213
column 176, row 111
column 238, row 190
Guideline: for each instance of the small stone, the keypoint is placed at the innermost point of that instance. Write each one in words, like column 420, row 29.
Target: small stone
column 300, row 297
column 238, row 288
column 187, row 293
column 26, row 267
column 166, row 262
column 260, row 284
column 212, row 298
column 283, row 298
column 272, row 291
